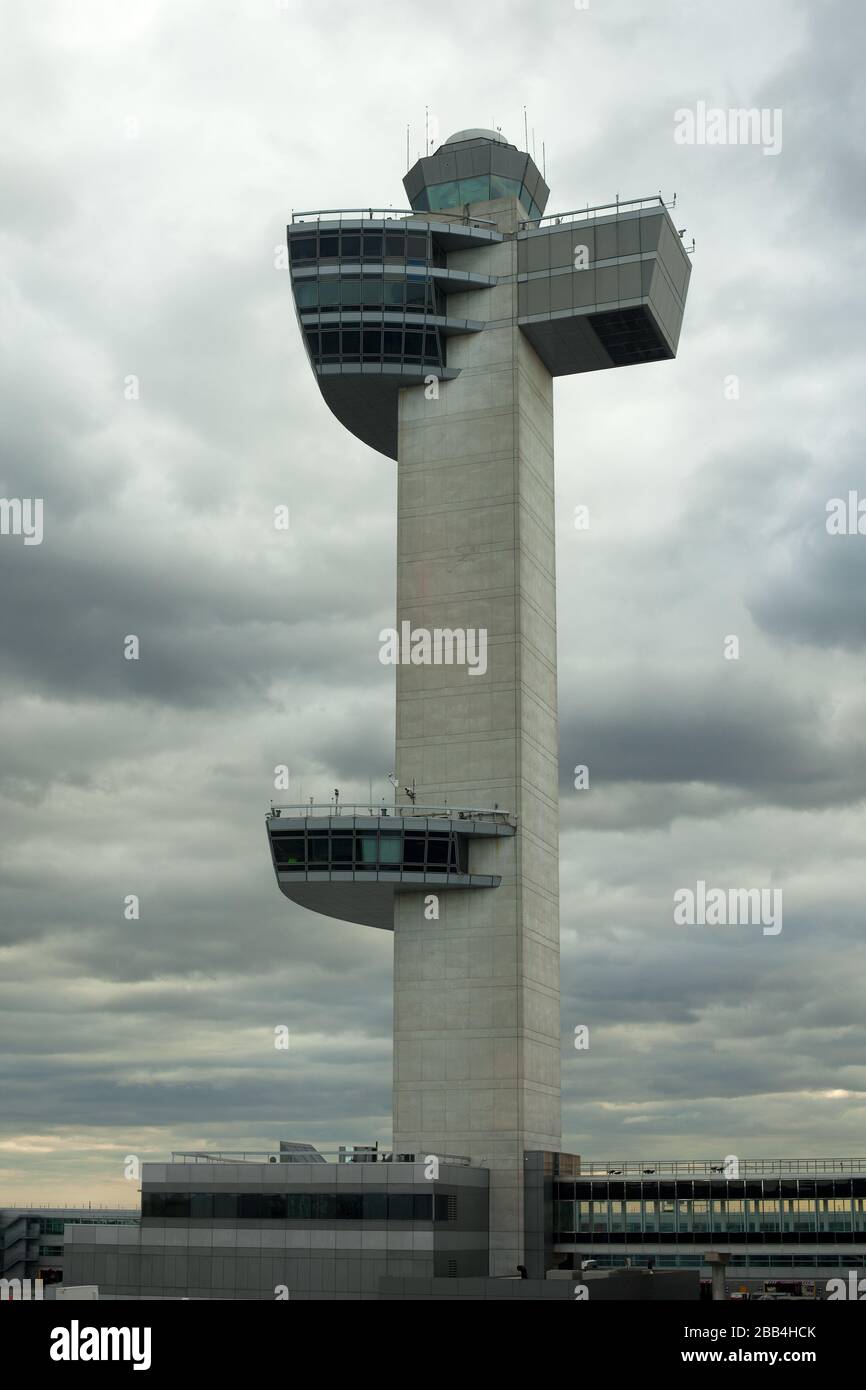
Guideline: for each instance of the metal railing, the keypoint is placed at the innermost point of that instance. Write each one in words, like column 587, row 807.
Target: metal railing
column 390, row 214
column 598, row 209
column 403, row 809
column 716, row 1167
column 359, row 1153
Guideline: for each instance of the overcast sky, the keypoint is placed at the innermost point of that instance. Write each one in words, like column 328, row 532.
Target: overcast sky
column 153, row 153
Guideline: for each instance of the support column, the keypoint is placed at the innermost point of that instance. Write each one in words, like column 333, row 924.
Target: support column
column 476, row 991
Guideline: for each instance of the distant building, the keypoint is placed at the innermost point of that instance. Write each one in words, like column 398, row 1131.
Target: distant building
column 32, row 1239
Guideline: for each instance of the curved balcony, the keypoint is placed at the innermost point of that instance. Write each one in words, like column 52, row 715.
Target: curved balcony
column 350, row 862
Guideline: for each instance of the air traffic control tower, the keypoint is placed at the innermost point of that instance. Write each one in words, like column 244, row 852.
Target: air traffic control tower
column 435, row 335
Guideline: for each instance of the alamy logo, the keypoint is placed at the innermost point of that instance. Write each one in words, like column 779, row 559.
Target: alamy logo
column 22, row 516
column 731, row 907
column 855, row 1290
column 76, row 1343
column 20, row 1290
column 738, row 126
column 438, row 646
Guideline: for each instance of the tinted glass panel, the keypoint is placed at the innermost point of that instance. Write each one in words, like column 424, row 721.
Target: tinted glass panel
column 395, row 244
column 225, row 1206
column 305, row 293
column 393, row 293
column 413, row 344
column 289, row 850
column 393, row 346
column 317, row 847
column 416, row 245
column 413, row 846
column 443, row 195
column 416, row 293
column 330, row 344
column 341, row 845
column 475, row 190
column 373, row 244
column 365, row 848
column 401, row 1207
column 351, row 342
column 313, row 341
column 329, row 245
column 375, row 1206
column 437, row 850
column 329, row 291
column 371, row 292
column 389, row 848
column 303, row 248
column 372, row 342
column 323, row 1206
column 201, row 1206
column 350, row 244
column 349, row 1206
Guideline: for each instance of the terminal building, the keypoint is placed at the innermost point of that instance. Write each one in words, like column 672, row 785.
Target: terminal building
column 33, row 1239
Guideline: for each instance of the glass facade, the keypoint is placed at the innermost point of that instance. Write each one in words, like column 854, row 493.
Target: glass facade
column 299, row 1206
column 753, row 1211
column 442, row 197
column 376, row 313
column 413, row 851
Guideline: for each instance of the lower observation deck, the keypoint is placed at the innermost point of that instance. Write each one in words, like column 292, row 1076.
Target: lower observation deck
column 349, row 861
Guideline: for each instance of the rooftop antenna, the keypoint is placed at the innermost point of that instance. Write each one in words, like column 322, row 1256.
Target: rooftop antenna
column 533, row 142
column 525, row 132
column 426, row 132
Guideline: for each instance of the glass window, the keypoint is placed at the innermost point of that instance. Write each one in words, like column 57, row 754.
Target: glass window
column 330, row 344
column 423, row 1206
column 351, row 344
column 401, row 1206
column 437, row 848
column 317, row 846
column 504, row 188
column 250, row 1206
column 422, row 202
column 416, row 294
column 305, row 293
column 313, row 341
column 393, row 346
column 416, row 245
column 329, row 291
column 298, row 1206
column 431, row 347
column 375, row 1206
column 413, row 845
column 201, row 1206
column 350, row 245
column 371, row 292
column 350, row 293
column 373, row 245
column 393, row 294
column 395, row 245
column 372, row 342
column 413, row 345
column 443, row 195
column 225, row 1206
column 175, row 1204
column 389, row 846
column 329, row 245
column 303, row 248
column 341, row 845
column 323, row 1206
column 289, row 849
column 365, row 848
column 475, row 190
column 349, row 1206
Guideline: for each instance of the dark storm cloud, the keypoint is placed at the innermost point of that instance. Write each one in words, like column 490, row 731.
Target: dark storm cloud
column 155, row 155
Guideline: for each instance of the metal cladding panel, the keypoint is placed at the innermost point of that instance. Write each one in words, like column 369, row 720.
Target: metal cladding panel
column 620, row 311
